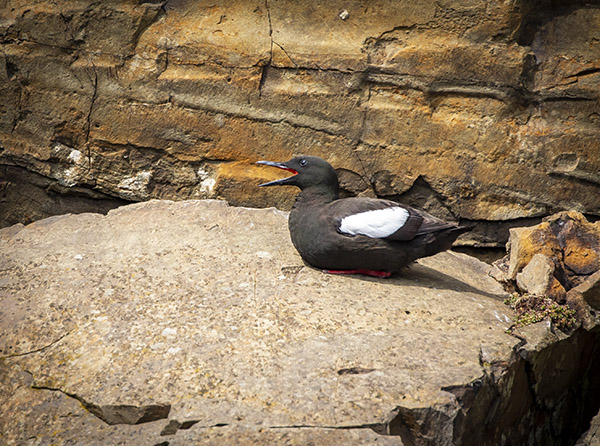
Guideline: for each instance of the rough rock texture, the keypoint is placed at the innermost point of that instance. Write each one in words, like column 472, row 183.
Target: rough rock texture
column 592, row 436
column 478, row 110
column 194, row 321
column 590, row 290
column 585, row 300
column 559, row 254
column 538, row 276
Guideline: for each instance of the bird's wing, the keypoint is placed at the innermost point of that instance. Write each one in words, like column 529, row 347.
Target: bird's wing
column 432, row 224
column 382, row 219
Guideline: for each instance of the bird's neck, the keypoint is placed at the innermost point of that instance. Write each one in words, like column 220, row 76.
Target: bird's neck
column 312, row 196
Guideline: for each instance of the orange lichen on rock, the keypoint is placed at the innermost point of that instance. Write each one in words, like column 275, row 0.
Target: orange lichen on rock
column 555, row 259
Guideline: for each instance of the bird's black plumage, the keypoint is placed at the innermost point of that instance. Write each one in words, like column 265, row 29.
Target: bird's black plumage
column 358, row 233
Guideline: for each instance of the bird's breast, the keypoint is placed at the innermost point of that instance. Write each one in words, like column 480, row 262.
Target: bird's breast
column 310, row 236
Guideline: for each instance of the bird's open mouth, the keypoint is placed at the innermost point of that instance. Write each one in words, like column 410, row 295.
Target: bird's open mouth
column 282, row 166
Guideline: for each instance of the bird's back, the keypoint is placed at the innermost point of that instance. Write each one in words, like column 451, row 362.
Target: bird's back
column 316, row 234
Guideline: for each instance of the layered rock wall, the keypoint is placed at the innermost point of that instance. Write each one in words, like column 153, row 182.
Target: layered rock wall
column 482, row 111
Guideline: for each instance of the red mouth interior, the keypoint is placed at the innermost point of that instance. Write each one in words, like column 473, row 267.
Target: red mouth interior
column 289, row 169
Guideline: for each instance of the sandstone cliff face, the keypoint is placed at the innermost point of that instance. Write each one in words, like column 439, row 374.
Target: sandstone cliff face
column 483, row 111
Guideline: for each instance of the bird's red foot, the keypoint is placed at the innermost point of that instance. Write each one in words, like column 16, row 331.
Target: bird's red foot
column 366, row 272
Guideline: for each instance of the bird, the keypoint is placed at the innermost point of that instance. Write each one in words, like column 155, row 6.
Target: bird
column 356, row 235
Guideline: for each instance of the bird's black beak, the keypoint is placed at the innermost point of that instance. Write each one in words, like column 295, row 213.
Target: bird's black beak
column 283, row 181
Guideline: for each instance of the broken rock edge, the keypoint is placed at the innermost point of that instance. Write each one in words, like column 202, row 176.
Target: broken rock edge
column 401, row 421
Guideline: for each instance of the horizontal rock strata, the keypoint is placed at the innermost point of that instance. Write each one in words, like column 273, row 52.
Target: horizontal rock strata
column 481, row 111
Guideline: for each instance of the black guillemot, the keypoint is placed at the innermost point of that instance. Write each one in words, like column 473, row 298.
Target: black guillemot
column 356, row 235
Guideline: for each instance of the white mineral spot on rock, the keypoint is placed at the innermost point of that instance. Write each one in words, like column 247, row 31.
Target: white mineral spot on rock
column 220, row 120
column 78, row 257
column 502, row 318
column 68, row 177
column 136, row 186
column 263, row 255
column 157, row 346
column 173, row 350
column 75, row 156
column 169, row 331
column 208, row 185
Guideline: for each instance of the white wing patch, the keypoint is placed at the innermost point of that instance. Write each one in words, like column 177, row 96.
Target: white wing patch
column 380, row 223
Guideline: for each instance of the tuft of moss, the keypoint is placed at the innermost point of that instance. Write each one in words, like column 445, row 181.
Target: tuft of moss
column 530, row 309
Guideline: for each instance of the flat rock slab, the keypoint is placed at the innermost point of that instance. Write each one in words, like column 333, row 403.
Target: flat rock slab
column 195, row 319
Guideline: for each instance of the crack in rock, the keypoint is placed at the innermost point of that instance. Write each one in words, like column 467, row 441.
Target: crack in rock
column 379, row 428
column 119, row 413
column 37, row 350
column 173, row 426
column 265, row 68
column 355, row 371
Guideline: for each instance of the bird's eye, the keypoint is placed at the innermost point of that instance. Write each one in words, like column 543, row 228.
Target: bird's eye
column 303, row 162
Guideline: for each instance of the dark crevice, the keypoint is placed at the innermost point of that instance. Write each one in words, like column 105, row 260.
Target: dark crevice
column 355, row 371
column 147, row 21
column 285, row 52
column 588, row 178
column 265, row 68
column 583, row 73
column 94, row 81
column 541, row 12
column 173, row 426
column 118, row 413
column 495, row 233
column 11, row 69
column 508, row 404
column 421, row 195
column 263, row 77
column 380, row 428
column 37, row 350
column 562, row 97
column 421, row 426
column 28, row 196
column 555, row 388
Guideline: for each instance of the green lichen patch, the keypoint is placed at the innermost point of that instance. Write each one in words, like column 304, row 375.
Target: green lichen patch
column 530, row 309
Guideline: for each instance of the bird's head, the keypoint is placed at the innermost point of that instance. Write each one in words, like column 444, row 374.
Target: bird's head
column 308, row 172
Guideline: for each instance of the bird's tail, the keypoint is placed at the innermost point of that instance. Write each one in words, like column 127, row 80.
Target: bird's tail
column 443, row 240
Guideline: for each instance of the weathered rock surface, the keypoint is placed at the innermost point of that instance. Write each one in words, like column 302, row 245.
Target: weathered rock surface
column 481, row 110
column 592, row 436
column 194, row 321
column 538, row 276
column 549, row 259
